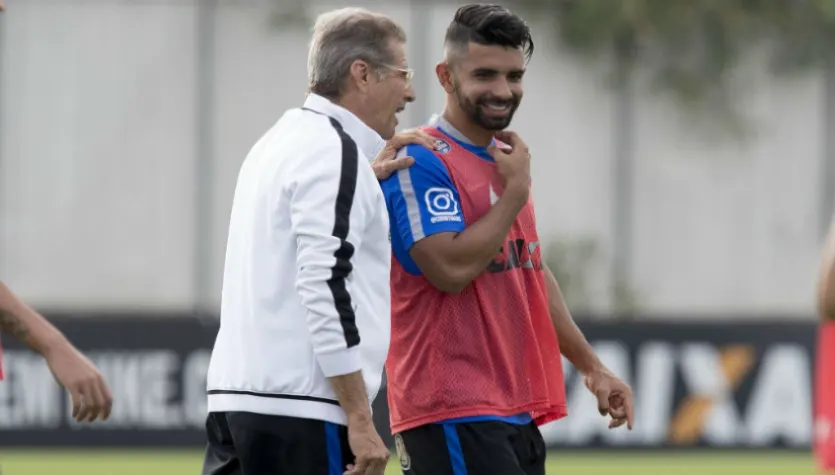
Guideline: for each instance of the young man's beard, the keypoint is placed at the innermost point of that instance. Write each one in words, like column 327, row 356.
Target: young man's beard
column 474, row 111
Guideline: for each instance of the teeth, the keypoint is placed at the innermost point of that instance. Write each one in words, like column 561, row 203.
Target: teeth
column 497, row 107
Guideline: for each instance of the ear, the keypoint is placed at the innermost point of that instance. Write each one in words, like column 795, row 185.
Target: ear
column 444, row 72
column 360, row 73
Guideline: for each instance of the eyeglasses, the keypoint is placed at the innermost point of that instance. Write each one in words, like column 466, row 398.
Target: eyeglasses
column 407, row 73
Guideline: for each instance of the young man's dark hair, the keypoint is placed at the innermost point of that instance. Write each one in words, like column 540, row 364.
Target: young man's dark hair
column 488, row 25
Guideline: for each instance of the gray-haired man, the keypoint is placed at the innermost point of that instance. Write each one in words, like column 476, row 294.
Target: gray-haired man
column 305, row 313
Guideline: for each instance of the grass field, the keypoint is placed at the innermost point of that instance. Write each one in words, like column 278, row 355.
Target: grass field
column 46, row 462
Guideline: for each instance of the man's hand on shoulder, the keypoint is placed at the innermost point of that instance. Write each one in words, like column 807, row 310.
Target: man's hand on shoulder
column 387, row 161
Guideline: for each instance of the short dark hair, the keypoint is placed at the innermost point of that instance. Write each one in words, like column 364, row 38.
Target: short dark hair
column 489, row 25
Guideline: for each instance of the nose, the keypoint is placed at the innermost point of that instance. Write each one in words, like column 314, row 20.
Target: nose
column 501, row 90
column 410, row 93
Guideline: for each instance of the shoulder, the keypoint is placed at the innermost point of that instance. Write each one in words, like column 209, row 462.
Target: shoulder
column 419, row 152
column 316, row 133
column 304, row 138
column 426, row 161
column 427, row 170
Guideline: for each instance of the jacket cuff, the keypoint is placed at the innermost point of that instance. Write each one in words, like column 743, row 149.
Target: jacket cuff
column 338, row 363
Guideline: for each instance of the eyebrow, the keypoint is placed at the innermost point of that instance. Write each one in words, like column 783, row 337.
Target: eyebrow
column 494, row 70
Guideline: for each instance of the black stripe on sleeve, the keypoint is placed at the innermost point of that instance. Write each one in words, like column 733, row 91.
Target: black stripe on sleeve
column 342, row 222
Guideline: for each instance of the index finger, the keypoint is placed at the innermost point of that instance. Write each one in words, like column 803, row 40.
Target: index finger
column 103, row 399
column 84, row 405
column 426, row 140
column 75, row 398
column 359, row 468
column 95, row 402
column 417, row 137
column 108, row 399
column 511, row 138
column 602, row 401
column 617, row 413
column 630, row 411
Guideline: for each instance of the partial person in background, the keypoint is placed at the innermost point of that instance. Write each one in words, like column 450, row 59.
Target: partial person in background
column 305, row 310
column 825, row 365
column 478, row 320
column 91, row 398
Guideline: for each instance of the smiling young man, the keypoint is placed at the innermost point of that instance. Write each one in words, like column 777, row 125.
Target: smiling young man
column 478, row 321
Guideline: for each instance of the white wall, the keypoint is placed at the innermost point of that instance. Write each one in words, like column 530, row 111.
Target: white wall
column 98, row 156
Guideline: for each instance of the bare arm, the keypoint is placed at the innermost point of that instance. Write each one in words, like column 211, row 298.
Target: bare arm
column 352, row 396
column 826, row 279
column 450, row 261
column 25, row 324
column 573, row 343
column 614, row 397
column 89, row 391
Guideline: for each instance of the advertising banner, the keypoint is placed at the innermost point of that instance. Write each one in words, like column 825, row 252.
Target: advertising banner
column 696, row 385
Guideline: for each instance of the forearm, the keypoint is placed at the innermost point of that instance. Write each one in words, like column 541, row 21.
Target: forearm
column 335, row 342
column 25, row 324
column 324, row 251
column 573, row 344
column 352, row 396
column 476, row 247
column 326, row 295
column 452, row 261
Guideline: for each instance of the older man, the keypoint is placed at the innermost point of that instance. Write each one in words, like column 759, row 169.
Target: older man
column 305, row 308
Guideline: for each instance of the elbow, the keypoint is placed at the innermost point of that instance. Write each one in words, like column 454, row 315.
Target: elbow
column 450, row 280
column 445, row 271
column 449, row 286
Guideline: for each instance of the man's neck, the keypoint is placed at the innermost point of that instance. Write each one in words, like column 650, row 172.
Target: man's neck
column 475, row 134
column 350, row 105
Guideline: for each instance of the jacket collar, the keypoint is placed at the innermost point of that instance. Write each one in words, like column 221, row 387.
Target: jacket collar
column 367, row 139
